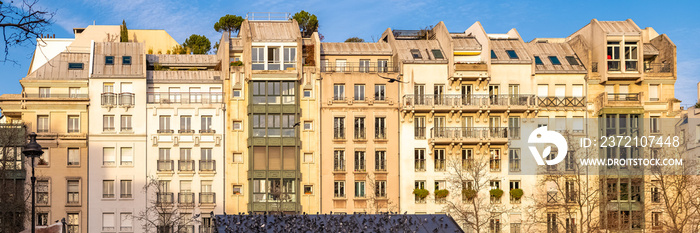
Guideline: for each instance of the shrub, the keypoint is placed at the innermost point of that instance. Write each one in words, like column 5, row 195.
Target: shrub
column 441, row 193
column 469, row 193
column 516, row 193
column 422, row 193
column 497, row 193
column 150, row 51
column 237, row 63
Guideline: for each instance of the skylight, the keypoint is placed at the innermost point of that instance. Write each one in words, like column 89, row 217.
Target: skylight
column 572, row 60
column 554, row 60
column 538, row 61
column 416, row 54
column 493, row 55
column 437, row 54
column 512, row 54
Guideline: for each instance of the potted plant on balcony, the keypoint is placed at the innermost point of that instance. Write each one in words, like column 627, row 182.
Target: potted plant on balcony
column 421, row 193
column 496, row 193
column 469, row 193
column 516, row 194
column 441, row 193
column 236, row 63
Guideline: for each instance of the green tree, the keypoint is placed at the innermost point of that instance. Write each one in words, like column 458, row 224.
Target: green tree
column 124, row 32
column 197, row 44
column 355, row 39
column 230, row 23
column 308, row 23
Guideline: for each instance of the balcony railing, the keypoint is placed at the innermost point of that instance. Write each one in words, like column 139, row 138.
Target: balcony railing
column 185, row 198
column 207, row 198
column 126, row 99
column 456, row 100
column 185, row 165
column 469, row 132
column 51, row 95
column 355, row 67
column 165, row 131
column 109, row 99
column 561, row 101
column 207, row 229
column 207, row 131
column 164, row 197
column 623, row 96
column 658, row 67
column 185, row 131
column 207, row 165
column 165, row 165
column 184, row 97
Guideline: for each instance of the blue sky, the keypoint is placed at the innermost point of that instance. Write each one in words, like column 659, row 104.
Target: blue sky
column 368, row 19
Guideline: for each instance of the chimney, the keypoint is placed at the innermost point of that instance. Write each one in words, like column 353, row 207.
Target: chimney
column 698, row 91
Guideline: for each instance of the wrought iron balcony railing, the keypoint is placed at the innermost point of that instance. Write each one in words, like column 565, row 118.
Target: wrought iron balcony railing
column 469, row 132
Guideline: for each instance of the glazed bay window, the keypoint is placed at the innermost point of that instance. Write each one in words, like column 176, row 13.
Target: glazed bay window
column 164, row 124
column 359, row 92
column 339, row 92
column 439, row 160
column 339, row 189
column 339, row 160
column 380, row 127
column 419, row 127
column 288, row 92
column 258, row 58
column 108, row 123
column 359, row 128
column 274, row 92
column 419, row 159
column 289, row 58
column 206, row 126
column 73, row 191
column 288, row 122
column 339, row 127
column 380, row 160
column 360, row 161
column 259, row 124
column 126, row 123
column 631, row 56
column 42, row 124
column 73, row 124
column 613, row 56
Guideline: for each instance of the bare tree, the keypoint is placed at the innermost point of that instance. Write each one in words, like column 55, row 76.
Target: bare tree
column 15, row 193
column 161, row 214
column 22, row 23
column 377, row 200
column 569, row 195
column 470, row 179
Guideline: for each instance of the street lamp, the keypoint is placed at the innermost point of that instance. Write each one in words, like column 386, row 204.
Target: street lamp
column 33, row 150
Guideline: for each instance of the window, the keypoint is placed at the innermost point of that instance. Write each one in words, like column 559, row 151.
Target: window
column 380, row 188
column 495, row 160
column 360, row 161
column 339, row 92
column 552, row 222
column 340, row 65
column 654, row 125
column 126, row 60
column 339, row 160
column 308, row 125
column 206, row 125
column 258, row 58
column 273, row 58
column 42, row 125
column 73, row 124
column 380, row 127
column 380, row 160
column 570, row 225
column 656, row 219
column 42, row 192
column 382, row 65
column 108, row 123
column 339, row 189
column 359, row 189
column 206, row 162
column 554, row 60
column 289, row 57
column 359, row 92
column 538, row 61
column 512, row 54
column 493, row 55
column 127, row 156
column 237, row 94
column 495, row 224
column 467, row 158
column 613, row 56
column 207, row 195
column 419, row 184
column 75, row 66
column 339, row 128
column 44, row 92
column 359, row 128
column 108, row 189
column 514, row 127
column 73, row 192
column 44, row 158
column 419, row 127
column 514, row 160
column 439, row 160
column 364, row 65
column 237, row 125
column 653, row 92
column 108, row 158
column 419, row 157
column 125, row 222
column 437, row 54
column 380, row 92
column 164, row 124
column 73, row 157
column 73, row 222
column 73, row 92
column 572, row 60
column 308, row 157
column 164, row 162
column 631, row 56
column 308, row 93
column 126, row 123
column 42, row 219
column 570, row 191
column 109, row 60
column 125, row 189
column 416, row 54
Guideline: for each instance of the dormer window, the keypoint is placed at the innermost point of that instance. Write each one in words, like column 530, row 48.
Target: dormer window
column 416, row 54
column 512, row 54
column 437, row 54
column 109, row 60
column 538, row 61
column 493, row 55
column 572, row 60
column 75, row 66
column 126, row 60
column 554, row 60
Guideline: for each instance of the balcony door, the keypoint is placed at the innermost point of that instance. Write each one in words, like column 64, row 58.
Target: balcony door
column 467, row 94
column 418, row 93
column 624, row 92
column 493, row 94
column 440, row 126
column 494, row 125
column 438, row 91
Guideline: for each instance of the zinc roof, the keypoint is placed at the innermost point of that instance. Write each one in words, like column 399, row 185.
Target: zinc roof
column 183, row 59
column 499, row 46
column 561, row 51
column 273, row 30
column 466, row 44
column 57, row 68
column 650, row 49
column 424, row 47
column 353, row 48
column 619, row 26
column 183, row 76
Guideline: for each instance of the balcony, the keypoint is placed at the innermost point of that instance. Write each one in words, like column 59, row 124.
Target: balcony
column 471, row 67
column 185, row 198
column 56, row 96
column 658, row 69
column 165, row 165
column 207, row 229
column 471, row 135
column 126, row 99
column 164, row 198
column 207, row 198
column 184, row 97
column 617, row 100
column 185, row 165
column 109, row 99
column 165, row 131
column 357, row 67
column 207, row 165
column 186, row 131
column 207, row 131
column 561, row 101
column 450, row 102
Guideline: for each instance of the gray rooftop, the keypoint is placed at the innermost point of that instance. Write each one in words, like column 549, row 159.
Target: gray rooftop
column 354, row 48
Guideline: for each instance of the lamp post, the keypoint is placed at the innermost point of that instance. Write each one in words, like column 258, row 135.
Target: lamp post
column 33, row 150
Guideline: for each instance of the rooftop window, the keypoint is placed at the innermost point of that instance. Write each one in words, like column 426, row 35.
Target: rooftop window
column 109, row 60
column 416, row 54
column 437, row 54
column 75, row 66
column 538, row 61
column 512, row 54
column 554, row 60
column 493, row 55
column 126, row 60
column 572, row 60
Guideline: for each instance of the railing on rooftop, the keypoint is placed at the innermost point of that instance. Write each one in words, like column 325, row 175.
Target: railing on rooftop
column 184, row 97
column 468, row 100
column 268, row 16
column 51, row 95
column 658, row 67
column 352, row 67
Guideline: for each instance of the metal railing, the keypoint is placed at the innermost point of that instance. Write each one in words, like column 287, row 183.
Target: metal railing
column 185, row 165
column 165, row 131
column 207, row 131
column 126, row 99
column 469, row 132
column 268, row 16
column 357, row 67
column 623, row 96
column 207, row 198
column 658, row 67
column 51, row 95
column 185, row 131
column 184, row 97
column 457, row 100
column 165, row 165
column 185, row 198
column 164, row 197
column 561, row 101
column 207, row 165
column 109, row 99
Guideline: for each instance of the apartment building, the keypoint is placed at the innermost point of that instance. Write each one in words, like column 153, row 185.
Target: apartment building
column 359, row 102
column 13, row 174
column 54, row 104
